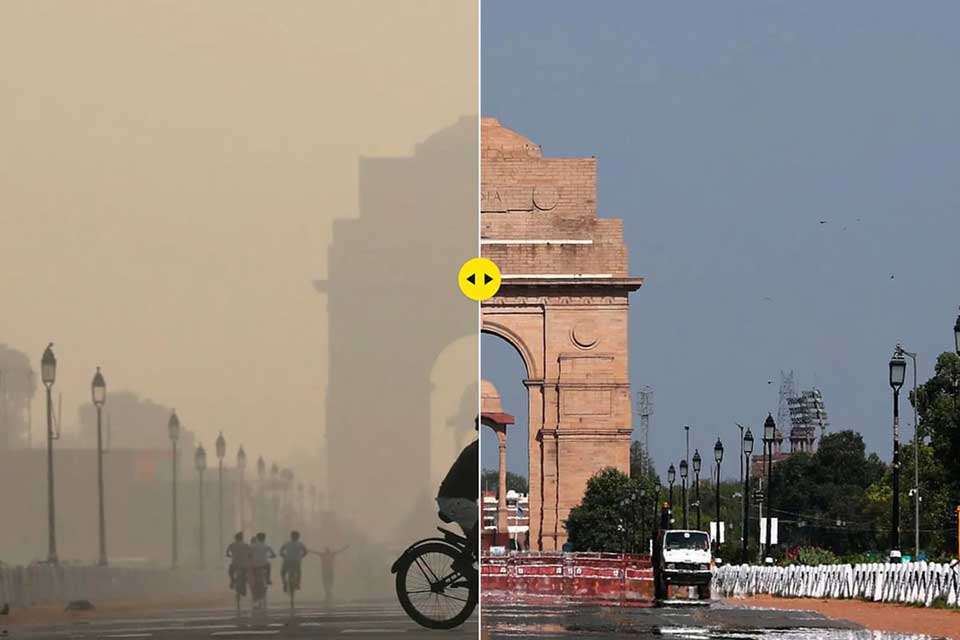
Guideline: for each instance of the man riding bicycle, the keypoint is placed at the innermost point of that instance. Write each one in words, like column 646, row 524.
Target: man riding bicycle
column 239, row 553
column 459, row 492
column 262, row 553
column 292, row 551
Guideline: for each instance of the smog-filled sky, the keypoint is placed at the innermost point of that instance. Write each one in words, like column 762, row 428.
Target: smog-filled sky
column 169, row 175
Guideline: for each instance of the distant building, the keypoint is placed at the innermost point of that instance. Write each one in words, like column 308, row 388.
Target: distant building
column 518, row 519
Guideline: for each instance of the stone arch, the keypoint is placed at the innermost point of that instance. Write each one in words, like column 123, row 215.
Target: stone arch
column 562, row 304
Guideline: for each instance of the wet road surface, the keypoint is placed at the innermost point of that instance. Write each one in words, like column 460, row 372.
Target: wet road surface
column 714, row 622
column 312, row 620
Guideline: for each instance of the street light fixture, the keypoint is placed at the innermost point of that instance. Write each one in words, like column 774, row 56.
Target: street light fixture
column 683, row 490
column 98, row 391
column 200, row 462
column 956, row 335
column 747, row 452
column 696, row 481
column 671, row 478
column 769, row 434
column 718, row 457
column 898, row 373
column 221, row 446
column 173, row 430
column 242, row 465
column 48, row 374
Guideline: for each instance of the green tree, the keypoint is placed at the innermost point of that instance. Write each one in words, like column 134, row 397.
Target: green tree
column 490, row 481
column 616, row 514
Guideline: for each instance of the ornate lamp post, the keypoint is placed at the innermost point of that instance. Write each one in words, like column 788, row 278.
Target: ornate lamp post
column 221, row 446
column 671, row 478
column 956, row 335
column 747, row 452
column 261, row 476
column 718, row 456
column 898, row 372
column 173, row 429
column 683, row 490
column 48, row 373
column 242, row 465
column 274, row 476
column 696, row 481
column 200, row 462
column 300, row 502
column 98, row 390
column 769, row 434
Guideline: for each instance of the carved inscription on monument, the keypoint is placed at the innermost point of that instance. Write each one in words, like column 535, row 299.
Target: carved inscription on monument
column 518, row 198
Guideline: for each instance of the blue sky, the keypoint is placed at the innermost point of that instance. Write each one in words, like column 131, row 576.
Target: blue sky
column 725, row 132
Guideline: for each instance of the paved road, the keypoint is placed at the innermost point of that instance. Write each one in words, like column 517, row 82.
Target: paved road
column 312, row 621
column 714, row 622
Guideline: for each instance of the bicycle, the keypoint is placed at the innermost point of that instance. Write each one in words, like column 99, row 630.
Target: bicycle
column 291, row 583
column 431, row 588
column 239, row 585
column 258, row 588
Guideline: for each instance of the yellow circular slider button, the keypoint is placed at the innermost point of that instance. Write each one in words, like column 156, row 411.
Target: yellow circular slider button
column 479, row 278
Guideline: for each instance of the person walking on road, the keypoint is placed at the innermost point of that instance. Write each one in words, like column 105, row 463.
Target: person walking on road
column 327, row 557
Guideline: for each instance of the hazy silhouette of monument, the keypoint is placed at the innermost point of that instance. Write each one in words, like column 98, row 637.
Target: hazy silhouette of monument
column 394, row 306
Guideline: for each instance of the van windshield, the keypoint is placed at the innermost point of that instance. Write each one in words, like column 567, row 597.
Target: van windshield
column 696, row 540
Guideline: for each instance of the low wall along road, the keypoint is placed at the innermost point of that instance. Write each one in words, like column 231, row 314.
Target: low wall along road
column 48, row 584
column 909, row 583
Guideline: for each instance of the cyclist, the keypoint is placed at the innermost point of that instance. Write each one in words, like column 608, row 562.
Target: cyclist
column 262, row 553
column 239, row 553
column 292, row 551
column 458, row 494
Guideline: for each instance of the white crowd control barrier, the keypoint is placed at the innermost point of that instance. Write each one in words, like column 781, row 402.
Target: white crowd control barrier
column 48, row 584
column 912, row 582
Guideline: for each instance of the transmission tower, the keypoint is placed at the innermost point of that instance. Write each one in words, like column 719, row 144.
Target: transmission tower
column 788, row 390
column 645, row 409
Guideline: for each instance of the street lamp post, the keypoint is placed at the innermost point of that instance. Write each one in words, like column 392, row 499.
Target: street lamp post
column 221, row 446
column 48, row 373
column 274, row 475
column 915, row 492
column 683, row 491
column 956, row 335
column 98, row 390
column 671, row 478
column 718, row 456
column 241, row 466
column 173, row 429
column 769, row 434
column 261, row 498
column 747, row 445
column 696, row 482
column 898, row 372
column 200, row 462
column 686, row 458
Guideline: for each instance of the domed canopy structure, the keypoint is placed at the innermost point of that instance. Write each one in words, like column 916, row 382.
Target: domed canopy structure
column 491, row 409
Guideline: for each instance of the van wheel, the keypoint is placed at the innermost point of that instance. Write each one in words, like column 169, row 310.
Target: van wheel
column 703, row 592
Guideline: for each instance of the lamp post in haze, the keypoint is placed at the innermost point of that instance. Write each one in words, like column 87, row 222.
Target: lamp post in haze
column 718, row 456
column 747, row 452
column 221, row 447
column 261, row 498
column 671, row 478
column 200, row 462
column 696, row 481
column 274, row 477
column 242, row 465
column 173, row 429
column 98, row 391
column 683, row 490
column 898, row 373
column 48, row 374
column 769, row 434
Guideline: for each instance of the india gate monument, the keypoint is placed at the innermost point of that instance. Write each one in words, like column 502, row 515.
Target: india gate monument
column 563, row 306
